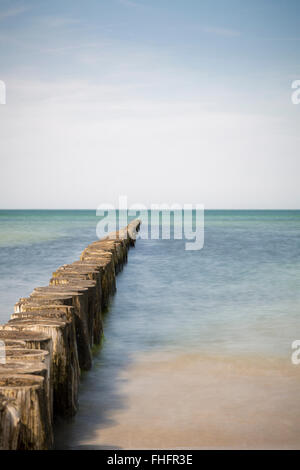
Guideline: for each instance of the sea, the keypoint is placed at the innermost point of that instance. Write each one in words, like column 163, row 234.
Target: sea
column 198, row 344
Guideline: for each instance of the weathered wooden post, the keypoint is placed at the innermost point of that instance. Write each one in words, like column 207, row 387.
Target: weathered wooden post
column 49, row 335
column 28, row 393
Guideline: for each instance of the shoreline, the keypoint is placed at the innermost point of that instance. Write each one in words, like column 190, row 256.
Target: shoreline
column 187, row 401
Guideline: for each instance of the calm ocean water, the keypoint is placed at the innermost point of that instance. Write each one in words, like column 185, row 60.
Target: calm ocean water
column 241, row 292
column 239, row 295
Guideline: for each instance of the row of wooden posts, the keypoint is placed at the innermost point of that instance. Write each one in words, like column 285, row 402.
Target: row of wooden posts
column 49, row 340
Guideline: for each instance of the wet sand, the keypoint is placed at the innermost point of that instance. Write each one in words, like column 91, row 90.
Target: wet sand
column 186, row 401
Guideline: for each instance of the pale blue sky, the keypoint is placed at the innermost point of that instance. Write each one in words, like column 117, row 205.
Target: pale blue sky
column 183, row 101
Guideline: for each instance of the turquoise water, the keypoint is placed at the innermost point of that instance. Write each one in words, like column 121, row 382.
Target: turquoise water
column 240, row 293
column 238, row 296
column 33, row 244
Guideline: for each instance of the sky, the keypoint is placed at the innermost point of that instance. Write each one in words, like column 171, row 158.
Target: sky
column 164, row 101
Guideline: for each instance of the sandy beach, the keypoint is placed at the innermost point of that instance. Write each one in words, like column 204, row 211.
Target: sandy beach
column 186, row 401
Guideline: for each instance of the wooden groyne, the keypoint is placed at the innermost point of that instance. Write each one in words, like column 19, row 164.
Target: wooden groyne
column 49, row 340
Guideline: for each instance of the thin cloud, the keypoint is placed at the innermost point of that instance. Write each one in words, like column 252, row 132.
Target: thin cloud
column 35, row 46
column 58, row 21
column 13, row 12
column 70, row 47
column 130, row 3
column 283, row 39
column 221, row 31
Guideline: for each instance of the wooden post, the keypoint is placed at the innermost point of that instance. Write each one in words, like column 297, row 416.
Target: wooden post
column 49, row 335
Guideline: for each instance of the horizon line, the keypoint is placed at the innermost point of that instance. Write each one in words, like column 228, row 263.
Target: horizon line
column 148, row 208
